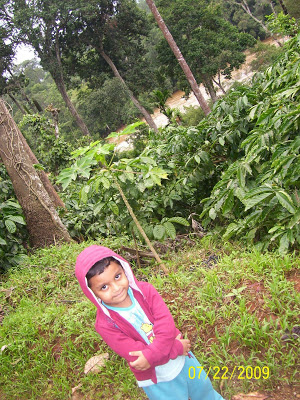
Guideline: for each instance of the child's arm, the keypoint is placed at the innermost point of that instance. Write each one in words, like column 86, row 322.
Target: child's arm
column 165, row 346
column 119, row 342
column 141, row 362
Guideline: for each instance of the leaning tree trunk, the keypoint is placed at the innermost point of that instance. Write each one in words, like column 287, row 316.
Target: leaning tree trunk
column 43, row 223
column 57, row 75
column 247, row 10
column 284, row 9
column 17, row 103
column 62, row 89
column 186, row 69
column 135, row 101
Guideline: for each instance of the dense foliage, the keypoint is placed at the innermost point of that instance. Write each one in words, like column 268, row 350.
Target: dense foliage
column 244, row 158
column 259, row 193
column 13, row 234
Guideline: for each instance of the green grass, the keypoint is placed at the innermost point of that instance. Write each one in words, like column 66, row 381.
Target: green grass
column 234, row 311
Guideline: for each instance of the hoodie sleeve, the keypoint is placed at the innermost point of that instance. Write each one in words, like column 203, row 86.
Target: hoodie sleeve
column 119, row 342
column 164, row 346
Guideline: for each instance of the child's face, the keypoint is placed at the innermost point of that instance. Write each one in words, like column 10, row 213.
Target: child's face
column 111, row 286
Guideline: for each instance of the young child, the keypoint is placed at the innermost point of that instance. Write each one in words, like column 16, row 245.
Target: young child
column 134, row 321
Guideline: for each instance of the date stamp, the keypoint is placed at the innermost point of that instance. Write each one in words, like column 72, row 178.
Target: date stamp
column 240, row 372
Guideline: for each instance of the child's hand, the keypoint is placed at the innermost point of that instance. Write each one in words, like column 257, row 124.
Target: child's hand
column 185, row 343
column 141, row 362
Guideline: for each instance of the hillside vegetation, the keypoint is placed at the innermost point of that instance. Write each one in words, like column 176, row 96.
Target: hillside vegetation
column 238, row 170
column 238, row 307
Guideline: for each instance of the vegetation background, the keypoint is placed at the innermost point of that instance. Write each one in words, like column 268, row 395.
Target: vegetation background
column 216, row 190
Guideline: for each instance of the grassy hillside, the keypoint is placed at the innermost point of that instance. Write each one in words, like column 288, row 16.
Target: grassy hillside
column 237, row 306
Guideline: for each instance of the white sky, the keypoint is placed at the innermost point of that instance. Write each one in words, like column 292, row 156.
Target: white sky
column 23, row 53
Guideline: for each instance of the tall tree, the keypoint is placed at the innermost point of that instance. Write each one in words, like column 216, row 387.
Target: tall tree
column 247, row 9
column 181, row 60
column 41, row 24
column 43, row 223
column 111, row 28
column 211, row 44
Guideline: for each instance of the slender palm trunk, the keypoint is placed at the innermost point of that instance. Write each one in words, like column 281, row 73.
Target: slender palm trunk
column 135, row 101
column 186, row 69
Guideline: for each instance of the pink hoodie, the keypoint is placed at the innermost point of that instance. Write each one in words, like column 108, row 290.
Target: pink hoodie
column 119, row 334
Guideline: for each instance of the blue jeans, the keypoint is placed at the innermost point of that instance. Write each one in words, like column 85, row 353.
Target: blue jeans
column 183, row 387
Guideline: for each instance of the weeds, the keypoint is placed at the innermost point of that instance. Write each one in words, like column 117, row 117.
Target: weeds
column 235, row 311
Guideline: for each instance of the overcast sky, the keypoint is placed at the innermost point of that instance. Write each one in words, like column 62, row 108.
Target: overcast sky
column 23, row 53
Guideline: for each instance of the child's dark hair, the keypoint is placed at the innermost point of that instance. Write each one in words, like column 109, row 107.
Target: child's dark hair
column 100, row 266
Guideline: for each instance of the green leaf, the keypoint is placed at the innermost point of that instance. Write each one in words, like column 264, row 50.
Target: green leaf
column 2, row 241
column 12, row 204
column 84, row 165
column 197, row 158
column 255, row 200
column 284, row 244
column 212, row 213
column 170, row 229
column 179, row 220
column 159, row 232
column 129, row 173
column 114, row 208
column 229, row 202
column 231, row 230
column 10, row 226
column 221, row 141
column 39, row 167
column 285, row 200
column 294, row 220
column 241, row 176
column 105, row 182
column 66, row 176
column 82, row 150
column 148, row 160
column 98, row 208
column 18, row 219
column 83, row 194
column 132, row 128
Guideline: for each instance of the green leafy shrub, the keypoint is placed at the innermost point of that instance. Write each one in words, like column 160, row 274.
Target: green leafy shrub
column 12, row 225
column 258, row 194
column 52, row 153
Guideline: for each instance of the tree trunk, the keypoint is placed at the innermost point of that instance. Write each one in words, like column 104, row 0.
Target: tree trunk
column 43, row 223
column 247, row 10
column 273, row 8
column 62, row 89
column 209, row 86
column 284, row 9
column 17, row 103
column 57, row 75
column 135, row 101
column 219, row 84
column 186, row 69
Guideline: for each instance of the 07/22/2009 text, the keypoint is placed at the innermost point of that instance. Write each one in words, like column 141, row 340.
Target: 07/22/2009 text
column 247, row 372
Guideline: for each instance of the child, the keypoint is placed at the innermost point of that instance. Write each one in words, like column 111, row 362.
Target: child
column 134, row 321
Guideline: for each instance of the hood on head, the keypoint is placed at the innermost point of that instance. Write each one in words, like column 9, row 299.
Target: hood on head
column 87, row 258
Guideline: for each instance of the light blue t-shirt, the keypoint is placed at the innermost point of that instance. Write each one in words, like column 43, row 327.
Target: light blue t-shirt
column 136, row 316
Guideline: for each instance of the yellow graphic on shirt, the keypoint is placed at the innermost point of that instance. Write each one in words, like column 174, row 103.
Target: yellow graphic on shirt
column 147, row 328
